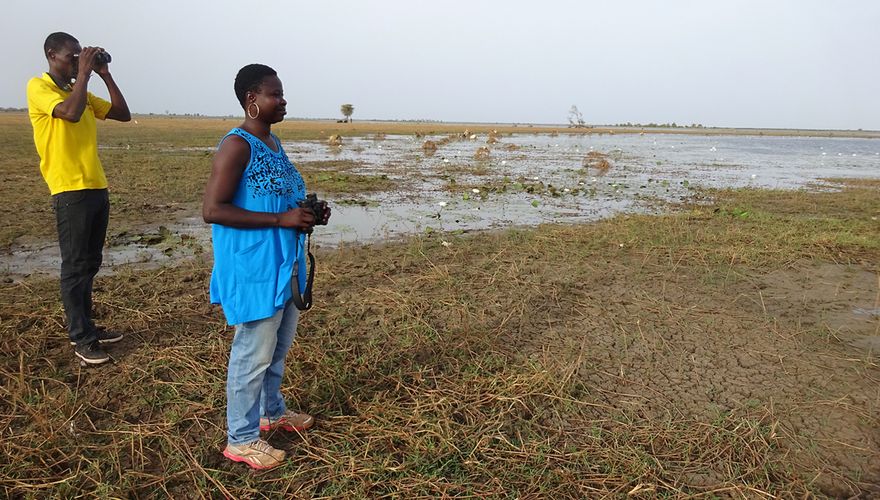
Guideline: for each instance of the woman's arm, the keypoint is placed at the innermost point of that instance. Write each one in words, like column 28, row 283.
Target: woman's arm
column 217, row 208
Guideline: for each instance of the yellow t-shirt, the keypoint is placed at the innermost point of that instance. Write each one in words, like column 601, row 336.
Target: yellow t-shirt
column 68, row 151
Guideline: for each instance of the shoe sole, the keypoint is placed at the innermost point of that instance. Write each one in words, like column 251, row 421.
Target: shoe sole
column 236, row 458
column 105, row 341
column 92, row 361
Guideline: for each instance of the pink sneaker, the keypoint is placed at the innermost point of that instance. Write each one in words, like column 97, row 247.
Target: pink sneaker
column 289, row 422
column 258, row 454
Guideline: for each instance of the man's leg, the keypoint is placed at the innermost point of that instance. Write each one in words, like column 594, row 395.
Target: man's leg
column 81, row 221
column 95, row 249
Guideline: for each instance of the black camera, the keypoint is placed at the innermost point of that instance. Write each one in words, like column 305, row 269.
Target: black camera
column 318, row 208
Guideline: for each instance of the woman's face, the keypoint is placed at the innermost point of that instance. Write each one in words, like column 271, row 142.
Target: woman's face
column 270, row 98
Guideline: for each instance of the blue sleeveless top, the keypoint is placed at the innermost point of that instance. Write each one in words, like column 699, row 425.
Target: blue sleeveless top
column 253, row 267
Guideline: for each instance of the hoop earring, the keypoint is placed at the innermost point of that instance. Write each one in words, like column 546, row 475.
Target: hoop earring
column 254, row 116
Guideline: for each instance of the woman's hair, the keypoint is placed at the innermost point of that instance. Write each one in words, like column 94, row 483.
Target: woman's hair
column 249, row 79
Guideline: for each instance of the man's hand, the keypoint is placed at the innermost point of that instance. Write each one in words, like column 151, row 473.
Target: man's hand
column 102, row 69
column 86, row 63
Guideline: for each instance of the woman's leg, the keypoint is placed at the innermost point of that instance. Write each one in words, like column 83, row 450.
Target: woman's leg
column 252, row 353
column 272, row 402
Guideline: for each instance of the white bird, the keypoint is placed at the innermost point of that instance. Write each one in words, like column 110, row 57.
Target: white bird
column 442, row 204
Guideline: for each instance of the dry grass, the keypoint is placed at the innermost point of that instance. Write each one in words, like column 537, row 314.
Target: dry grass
column 525, row 363
column 632, row 357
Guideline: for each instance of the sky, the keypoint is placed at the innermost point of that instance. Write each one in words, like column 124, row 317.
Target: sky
column 727, row 63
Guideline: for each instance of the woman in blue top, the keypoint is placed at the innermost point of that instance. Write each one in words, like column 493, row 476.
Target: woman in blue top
column 258, row 235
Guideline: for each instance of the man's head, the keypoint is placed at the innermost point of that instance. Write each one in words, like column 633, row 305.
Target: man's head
column 61, row 51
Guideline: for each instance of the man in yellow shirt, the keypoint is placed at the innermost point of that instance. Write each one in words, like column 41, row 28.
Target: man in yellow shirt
column 63, row 113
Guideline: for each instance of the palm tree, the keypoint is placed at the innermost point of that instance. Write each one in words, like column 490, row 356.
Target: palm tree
column 347, row 110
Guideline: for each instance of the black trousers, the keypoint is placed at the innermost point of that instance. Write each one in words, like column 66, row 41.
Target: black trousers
column 82, row 218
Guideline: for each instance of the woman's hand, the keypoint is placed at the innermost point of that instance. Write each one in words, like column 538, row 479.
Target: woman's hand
column 298, row 218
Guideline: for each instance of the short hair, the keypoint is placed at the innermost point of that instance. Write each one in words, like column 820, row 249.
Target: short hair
column 56, row 41
column 249, row 79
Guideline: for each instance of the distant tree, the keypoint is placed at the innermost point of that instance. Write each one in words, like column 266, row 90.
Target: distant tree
column 575, row 119
column 347, row 110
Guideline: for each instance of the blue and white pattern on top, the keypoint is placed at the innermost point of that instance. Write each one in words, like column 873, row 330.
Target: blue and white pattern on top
column 253, row 267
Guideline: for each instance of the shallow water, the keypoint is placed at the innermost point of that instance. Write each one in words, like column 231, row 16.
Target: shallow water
column 436, row 192
column 645, row 169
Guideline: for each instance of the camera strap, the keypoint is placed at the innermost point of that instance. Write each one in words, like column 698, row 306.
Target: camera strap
column 304, row 302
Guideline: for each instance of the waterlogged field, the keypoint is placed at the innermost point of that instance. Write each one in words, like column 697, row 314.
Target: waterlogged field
column 387, row 185
column 529, row 179
column 655, row 315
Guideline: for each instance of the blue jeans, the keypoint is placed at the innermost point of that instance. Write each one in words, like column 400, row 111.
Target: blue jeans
column 256, row 364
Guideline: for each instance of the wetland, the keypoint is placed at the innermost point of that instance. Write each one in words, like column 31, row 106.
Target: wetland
column 572, row 314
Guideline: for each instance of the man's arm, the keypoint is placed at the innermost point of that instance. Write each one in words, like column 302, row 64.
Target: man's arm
column 119, row 108
column 71, row 109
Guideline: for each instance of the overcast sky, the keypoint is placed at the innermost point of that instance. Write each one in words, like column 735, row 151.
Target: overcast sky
column 761, row 63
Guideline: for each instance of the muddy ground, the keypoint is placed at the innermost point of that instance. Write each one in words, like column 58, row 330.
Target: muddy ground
column 679, row 355
column 727, row 349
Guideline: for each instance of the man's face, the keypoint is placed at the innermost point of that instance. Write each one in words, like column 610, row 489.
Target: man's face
column 65, row 61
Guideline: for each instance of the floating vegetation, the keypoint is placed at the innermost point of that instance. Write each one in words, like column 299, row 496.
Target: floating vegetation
column 493, row 137
column 598, row 161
